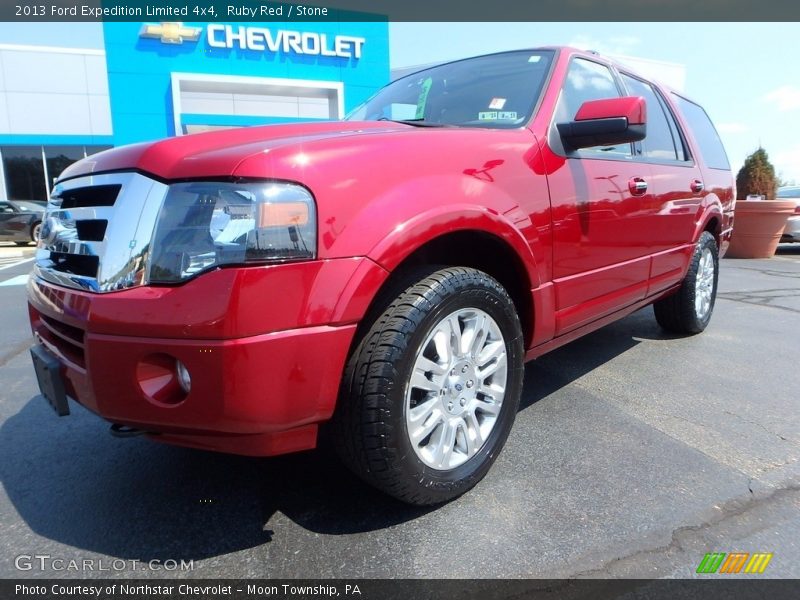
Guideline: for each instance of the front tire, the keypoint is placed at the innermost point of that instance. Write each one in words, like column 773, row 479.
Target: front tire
column 689, row 309
column 432, row 387
column 35, row 230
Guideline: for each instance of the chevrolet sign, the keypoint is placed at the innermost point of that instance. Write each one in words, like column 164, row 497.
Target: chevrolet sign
column 262, row 39
column 259, row 39
column 170, row 33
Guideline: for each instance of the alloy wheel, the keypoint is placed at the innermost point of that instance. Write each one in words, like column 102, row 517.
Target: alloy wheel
column 456, row 389
column 704, row 284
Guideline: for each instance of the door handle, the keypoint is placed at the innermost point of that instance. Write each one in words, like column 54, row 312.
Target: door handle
column 637, row 186
column 697, row 186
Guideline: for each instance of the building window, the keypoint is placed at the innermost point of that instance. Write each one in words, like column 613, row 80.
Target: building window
column 27, row 177
column 59, row 158
column 24, row 171
column 95, row 149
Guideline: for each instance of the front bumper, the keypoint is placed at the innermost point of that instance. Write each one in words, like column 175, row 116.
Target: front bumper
column 265, row 349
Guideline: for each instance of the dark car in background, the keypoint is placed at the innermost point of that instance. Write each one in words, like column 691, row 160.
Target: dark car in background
column 20, row 221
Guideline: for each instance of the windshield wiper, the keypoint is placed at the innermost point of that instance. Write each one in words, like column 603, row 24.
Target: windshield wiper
column 414, row 122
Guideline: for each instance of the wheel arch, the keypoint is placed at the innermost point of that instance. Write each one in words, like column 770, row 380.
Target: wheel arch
column 468, row 247
column 710, row 219
column 714, row 226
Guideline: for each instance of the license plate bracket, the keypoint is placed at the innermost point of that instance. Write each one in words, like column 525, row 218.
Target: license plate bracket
column 48, row 375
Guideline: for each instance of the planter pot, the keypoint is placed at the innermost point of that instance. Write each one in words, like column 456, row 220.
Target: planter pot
column 757, row 227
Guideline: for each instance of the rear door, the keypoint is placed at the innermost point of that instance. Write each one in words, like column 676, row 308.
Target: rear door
column 599, row 196
column 710, row 154
column 676, row 184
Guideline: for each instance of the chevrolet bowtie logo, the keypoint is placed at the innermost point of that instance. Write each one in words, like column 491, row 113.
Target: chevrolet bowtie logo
column 170, row 33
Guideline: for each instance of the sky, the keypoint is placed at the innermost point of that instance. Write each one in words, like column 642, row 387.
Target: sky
column 746, row 75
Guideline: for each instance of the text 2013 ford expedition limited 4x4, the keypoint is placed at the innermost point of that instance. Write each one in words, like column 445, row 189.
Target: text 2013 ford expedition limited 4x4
column 387, row 275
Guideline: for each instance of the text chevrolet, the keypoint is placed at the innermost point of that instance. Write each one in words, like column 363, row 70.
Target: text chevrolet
column 386, row 275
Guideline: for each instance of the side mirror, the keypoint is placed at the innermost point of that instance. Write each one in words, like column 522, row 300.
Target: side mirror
column 606, row 123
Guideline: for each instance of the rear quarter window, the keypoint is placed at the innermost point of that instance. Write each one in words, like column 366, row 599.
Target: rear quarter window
column 710, row 145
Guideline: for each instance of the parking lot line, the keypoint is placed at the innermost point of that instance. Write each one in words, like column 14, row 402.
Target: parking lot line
column 18, row 280
column 14, row 264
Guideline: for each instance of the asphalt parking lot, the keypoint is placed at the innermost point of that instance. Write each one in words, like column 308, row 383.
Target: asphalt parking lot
column 634, row 454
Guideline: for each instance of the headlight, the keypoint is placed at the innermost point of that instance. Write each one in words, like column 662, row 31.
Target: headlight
column 203, row 225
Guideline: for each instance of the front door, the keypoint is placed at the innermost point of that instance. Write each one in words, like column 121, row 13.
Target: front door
column 600, row 196
column 7, row 214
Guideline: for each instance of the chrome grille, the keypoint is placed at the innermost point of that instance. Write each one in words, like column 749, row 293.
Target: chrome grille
column 97, row 230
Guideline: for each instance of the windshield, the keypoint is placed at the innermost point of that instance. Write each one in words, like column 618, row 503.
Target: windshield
column 496, row 91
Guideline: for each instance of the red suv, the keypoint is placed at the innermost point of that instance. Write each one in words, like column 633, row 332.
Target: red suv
column 387, row 275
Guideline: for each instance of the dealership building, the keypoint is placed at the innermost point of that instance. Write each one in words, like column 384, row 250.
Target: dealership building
column 153, row 80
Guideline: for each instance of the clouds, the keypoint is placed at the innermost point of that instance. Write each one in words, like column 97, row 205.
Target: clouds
column 620, row 44
column 732, row 128
column 785, row 97
column 787, row 162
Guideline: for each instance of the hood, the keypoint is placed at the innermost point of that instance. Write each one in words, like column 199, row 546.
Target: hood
column 218, row 153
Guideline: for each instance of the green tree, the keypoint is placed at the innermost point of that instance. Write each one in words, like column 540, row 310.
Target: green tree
column 757, row 176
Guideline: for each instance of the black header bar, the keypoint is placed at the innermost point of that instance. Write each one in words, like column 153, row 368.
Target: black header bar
column 401, row 10
column 730, row 588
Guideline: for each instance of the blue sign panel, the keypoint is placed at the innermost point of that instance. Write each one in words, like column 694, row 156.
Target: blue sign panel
column 256, row 62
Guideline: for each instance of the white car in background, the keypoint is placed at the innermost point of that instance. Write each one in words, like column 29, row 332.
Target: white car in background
column 792, row 231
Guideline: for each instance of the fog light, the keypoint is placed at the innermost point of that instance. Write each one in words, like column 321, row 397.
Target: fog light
column 184, row 379
column 162, row 379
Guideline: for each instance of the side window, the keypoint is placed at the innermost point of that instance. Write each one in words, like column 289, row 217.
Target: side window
column 662, row 141
column 680, row 146
column 710, row 145
column 6, row 208
column 587, row 80
column 24, row 169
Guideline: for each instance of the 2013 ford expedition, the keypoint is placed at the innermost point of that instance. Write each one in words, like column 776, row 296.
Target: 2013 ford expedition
column 386, row 275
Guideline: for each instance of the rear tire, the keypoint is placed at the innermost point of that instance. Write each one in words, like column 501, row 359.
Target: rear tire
column 689, row 309
column 432, row 386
